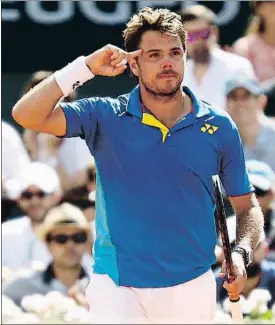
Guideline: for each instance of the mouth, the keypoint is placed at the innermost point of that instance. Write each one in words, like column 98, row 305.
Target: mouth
column 168, row 76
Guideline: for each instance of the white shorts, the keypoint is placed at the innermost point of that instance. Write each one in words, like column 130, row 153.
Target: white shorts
column 190, row 302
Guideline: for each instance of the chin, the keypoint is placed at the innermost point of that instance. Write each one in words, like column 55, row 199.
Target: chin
column 37, row 218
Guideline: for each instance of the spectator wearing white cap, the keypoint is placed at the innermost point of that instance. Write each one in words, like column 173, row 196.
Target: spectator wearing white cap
column 208, row 67
column 245, row 103
column 66, row 233
column 36, row 191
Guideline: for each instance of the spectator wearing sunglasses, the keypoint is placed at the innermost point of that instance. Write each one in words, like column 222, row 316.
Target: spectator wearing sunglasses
column 258, row 45
column 246, row 103
column 66, row 233
column 36, row 191
column 208, row 67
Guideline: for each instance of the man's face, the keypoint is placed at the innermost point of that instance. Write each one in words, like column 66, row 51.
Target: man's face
column 242, row 105
column 35, row 203
column 200, row 40
column 67, row 245
column 160, row 68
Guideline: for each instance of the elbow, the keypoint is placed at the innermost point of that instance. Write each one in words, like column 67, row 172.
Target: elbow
column 17, row 114
column 20, row 115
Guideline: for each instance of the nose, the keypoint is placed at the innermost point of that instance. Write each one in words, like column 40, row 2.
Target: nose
column 35, row 200
column 70, row 245
column 167, row 62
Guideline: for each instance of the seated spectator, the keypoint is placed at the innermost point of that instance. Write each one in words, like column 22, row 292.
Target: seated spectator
column 245, row 104
column 259, row 43
column 66, row 233
column 14, row 159
column 260, row 273
column 69, row 156
column 36, row 191
column 208, row 67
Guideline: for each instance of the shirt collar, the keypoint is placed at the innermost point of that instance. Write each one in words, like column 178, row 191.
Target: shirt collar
column 134, row 104
column 48, row 274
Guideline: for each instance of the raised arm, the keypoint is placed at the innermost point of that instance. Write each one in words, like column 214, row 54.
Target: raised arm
column 39, row 110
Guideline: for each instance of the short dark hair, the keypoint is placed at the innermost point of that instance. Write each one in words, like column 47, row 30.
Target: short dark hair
column 148, row 19
column 198, row 12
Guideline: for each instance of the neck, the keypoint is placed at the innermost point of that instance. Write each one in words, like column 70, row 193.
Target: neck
column 167, row 110
column 269, row 35
column 35, row 224
column 250, row 130
column 67, row 275
column 249, row 134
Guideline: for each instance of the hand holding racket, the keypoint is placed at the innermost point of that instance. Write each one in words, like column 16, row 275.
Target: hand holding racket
column 233, row 268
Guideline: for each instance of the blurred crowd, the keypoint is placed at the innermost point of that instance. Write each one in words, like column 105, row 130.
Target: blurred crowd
column 49, row 183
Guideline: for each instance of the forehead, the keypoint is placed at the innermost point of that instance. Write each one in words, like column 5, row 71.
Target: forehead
column 156, row 40
column 196, row 24
column 65, row 229
column 33, row 188
column 239, row 92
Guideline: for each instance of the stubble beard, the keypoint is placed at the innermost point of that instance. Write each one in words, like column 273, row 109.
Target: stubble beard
column 159, row 94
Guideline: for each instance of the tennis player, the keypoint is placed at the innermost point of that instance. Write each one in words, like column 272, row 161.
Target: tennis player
column 155, row 151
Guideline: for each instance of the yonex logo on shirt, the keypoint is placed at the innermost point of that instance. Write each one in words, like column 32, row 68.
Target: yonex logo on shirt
column 209, row 128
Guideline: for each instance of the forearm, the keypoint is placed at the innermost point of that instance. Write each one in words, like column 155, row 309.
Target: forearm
column 37, row 105
column 250, row 222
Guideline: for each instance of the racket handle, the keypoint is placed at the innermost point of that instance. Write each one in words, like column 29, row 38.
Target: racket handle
column 236, row 312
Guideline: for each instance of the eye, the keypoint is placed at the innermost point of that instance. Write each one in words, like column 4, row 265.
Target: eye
column 176, row 53
column 154, row 55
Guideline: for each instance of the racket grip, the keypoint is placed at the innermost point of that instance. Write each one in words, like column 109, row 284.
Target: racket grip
column 236, row 312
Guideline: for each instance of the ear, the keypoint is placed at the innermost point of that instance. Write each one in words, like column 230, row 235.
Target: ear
column 263, row 100
column 215, row 33
column 133, row 64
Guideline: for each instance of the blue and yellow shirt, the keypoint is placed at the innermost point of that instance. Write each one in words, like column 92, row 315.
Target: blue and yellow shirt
column 154, row 198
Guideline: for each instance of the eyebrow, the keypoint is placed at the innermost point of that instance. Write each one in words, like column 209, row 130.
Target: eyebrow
column 159, row 50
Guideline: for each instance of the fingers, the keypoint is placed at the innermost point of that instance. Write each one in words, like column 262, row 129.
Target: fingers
column 134, row 54
column 118, row 57
column 120, row 60
column 118, row 70
column 234, row 288
column 122, row 57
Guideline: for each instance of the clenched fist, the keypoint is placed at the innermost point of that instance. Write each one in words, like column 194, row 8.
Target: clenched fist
column 110, row 60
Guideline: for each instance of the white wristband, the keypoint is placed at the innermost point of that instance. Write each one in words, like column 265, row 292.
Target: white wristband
column 74, row 75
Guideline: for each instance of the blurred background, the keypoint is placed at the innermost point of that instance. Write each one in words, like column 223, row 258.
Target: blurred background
column 47, row 180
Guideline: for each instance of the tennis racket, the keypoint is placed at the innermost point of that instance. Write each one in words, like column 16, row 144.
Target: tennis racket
column 236, row 309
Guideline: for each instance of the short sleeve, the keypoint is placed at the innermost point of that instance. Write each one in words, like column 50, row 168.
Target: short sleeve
column 233, row 171
column 81, row 117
